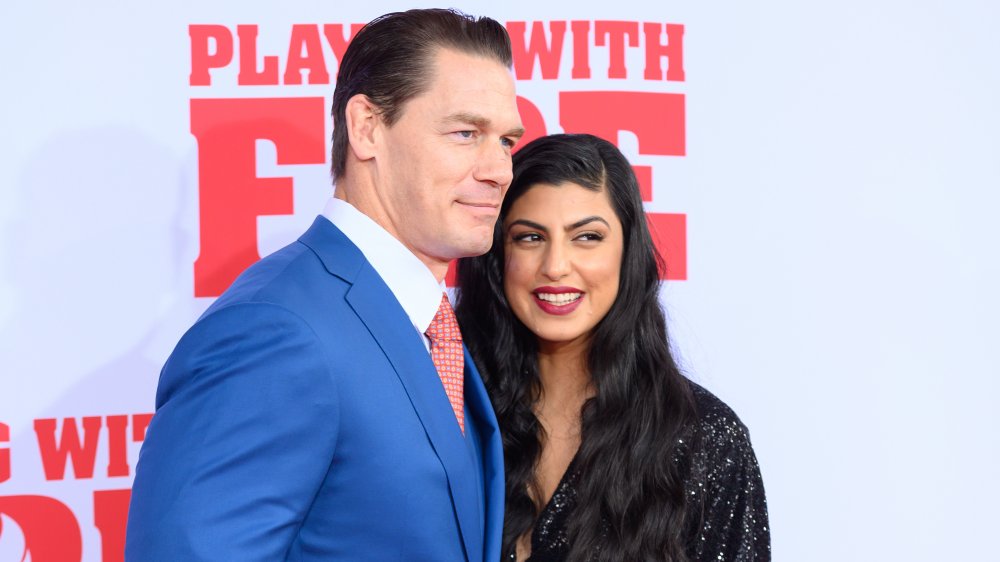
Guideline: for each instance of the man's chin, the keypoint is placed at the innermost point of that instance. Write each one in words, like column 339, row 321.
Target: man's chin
column 472, row 247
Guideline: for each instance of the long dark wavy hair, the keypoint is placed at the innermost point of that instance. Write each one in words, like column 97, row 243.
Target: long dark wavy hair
column 630, row 493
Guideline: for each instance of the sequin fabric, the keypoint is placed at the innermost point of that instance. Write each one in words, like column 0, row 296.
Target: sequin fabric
column 724, row 482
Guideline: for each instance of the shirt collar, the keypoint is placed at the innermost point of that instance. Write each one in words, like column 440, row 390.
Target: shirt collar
column 409, row 280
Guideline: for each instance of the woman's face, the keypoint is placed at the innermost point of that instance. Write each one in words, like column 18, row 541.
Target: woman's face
column 563, row 246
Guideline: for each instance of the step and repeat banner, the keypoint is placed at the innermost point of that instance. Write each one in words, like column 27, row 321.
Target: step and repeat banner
column 821, row 182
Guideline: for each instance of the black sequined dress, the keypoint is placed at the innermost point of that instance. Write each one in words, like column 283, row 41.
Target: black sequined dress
column 724, row 479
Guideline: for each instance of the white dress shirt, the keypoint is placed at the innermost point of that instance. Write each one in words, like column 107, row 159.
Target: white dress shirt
column 410, row 281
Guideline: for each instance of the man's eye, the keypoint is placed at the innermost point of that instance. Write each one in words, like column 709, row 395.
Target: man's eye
column 465, row 134
column 508, row 142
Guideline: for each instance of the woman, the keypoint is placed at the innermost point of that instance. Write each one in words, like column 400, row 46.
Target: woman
column 611, row 453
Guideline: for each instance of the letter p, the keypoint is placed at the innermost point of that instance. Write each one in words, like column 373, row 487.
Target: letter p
column 201, row 58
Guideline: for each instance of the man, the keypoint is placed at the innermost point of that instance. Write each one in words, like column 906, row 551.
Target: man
column 323, row 408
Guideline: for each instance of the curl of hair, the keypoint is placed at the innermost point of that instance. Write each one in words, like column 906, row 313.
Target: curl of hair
column 630, row 493
column 390, row 59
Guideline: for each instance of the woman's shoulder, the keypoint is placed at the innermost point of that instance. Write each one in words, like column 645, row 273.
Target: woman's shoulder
column 717, row 425
column 724, row 478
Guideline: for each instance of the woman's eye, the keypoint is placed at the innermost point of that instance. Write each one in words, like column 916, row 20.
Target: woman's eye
column 590, row 237
column 528, row 237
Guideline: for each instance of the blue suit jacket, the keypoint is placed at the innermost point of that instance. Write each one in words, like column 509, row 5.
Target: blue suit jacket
column 301, row 418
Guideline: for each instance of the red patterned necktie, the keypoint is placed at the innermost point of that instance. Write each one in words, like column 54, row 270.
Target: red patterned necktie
column 446, row 352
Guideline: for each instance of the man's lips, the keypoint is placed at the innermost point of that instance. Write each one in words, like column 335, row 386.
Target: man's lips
column 480, row 204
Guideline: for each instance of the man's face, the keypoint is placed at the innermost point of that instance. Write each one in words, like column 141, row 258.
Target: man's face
column 444, row 166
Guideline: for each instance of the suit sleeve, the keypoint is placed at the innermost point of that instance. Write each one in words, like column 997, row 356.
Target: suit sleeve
column 242, row 439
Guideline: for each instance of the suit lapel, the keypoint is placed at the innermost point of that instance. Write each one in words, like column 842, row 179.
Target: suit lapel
column 391, row 328
column 394, row 333
column 480, row 409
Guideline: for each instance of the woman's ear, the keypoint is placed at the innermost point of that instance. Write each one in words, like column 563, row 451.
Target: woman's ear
column 362, row 120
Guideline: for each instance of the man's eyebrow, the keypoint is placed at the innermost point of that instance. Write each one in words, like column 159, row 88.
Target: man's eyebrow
column 468, row 118
column 481, row 122
column 516, row 132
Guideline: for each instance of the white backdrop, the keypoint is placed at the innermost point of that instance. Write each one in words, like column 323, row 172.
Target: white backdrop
column 840, row 173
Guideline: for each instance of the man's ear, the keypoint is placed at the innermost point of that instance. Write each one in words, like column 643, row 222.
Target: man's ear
column 362, row 120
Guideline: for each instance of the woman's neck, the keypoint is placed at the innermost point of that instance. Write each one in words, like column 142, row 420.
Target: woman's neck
column 565, row 378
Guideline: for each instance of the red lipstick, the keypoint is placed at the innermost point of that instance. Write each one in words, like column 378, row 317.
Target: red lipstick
column 557, row 306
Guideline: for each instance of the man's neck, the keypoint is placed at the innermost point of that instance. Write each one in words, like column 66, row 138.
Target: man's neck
column 364, row 201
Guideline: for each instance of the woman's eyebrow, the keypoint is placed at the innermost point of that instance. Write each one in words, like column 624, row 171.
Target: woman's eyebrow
column 529, row 224
column 587, row 220
column 574, row 226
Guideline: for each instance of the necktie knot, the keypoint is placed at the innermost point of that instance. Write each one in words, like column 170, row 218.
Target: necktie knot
column 444, row 326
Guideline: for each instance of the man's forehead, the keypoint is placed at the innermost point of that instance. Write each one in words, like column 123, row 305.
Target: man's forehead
column 453, row 69
column 470, row 88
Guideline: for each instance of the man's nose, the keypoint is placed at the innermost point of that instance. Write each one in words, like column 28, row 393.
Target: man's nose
column 493, row 165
